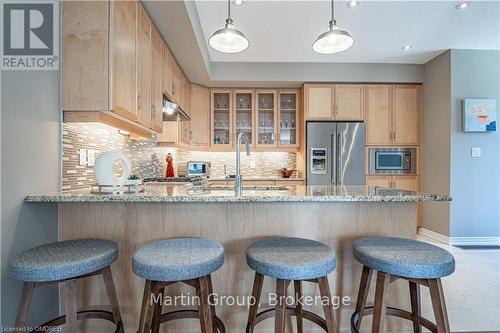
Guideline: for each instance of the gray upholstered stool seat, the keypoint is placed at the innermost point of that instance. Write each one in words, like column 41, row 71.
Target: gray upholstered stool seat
column 178, row 259
column 63, row 260
column 404, row 257
column 289, row 258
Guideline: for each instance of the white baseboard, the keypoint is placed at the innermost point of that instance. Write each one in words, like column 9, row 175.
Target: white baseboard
column 434, row 235
column 459, row 241
column 478, row 241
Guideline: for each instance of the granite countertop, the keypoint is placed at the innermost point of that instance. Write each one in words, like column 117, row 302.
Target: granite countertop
column 158, row 193
column 259, row 179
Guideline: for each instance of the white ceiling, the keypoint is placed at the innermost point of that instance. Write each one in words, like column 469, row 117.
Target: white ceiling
column 283, row 31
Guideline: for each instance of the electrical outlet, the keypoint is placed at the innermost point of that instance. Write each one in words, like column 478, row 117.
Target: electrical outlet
column 475, row 151
column 252, row 164
column 83, row 157
column 90, row 157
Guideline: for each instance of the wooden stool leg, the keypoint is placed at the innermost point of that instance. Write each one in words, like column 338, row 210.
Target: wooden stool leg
column 212, row 306
column 256, row 291
column 112, row 296
column 155, row 326
column 415, row 306
column 146, row 308
column 297, row 286
column 204, row 309
column 70, row 306
column 380, row 305
column 324, row 290
column 439, row 305
column 364, row 288
column 279, row 315
column 24, row 305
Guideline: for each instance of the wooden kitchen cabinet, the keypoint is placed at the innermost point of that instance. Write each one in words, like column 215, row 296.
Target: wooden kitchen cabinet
column 244, row 115
column 401, row 182
column 378, row 118
column 349, row 102
column 176, row 82
column 85, row 35
column 167, row 70
column 185, row 126
column 221, row 118
column 266, row 118
column 200, row 116
column 382, row 181
column 409, row 183
column 334, row 102
column 156, row 82
column 123, row 25
column 288, row 118
column 144, row 63
column 392, row 115
column 406, row 114
column 318, row 100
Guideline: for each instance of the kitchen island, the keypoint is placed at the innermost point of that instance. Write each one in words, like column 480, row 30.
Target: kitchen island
column 334, row 215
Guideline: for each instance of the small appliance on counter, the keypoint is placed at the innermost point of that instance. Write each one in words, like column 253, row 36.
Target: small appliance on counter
column 393, row 161
column 198, row 169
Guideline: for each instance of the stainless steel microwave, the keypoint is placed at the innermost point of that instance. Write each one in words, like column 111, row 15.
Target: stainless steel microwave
column 393, row 160
column 201, row 169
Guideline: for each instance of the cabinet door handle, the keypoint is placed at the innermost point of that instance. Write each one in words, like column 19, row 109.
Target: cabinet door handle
column 139, row 101
column 336, row 109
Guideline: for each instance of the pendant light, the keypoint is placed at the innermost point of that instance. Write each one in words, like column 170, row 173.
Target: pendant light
column 334, row 40
column 228, row 39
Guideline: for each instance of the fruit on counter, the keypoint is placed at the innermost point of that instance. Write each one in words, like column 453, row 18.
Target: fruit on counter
column 133, row 177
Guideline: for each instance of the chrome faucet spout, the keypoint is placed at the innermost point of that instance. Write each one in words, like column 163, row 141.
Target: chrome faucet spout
column 238, row 183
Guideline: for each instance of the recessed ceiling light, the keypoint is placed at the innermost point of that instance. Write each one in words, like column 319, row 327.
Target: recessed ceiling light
column 462, row 5
column 405, row 47
column 352, row 3
column 237, row 2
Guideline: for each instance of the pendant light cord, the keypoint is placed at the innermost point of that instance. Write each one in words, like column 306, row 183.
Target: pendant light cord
column 229, row 9
column 333, row 17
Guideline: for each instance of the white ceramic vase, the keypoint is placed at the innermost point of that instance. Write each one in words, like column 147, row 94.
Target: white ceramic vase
column 103, row 168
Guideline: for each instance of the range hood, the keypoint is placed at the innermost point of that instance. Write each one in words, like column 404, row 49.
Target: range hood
column 173, row 112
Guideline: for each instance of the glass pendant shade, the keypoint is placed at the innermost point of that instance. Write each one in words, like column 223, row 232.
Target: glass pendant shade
column 333, row 41
column 228, row 39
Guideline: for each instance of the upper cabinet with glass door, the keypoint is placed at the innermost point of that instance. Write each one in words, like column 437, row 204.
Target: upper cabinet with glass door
column 266, row 118
column 243, row 115
column 288, row 118
column 221, row 118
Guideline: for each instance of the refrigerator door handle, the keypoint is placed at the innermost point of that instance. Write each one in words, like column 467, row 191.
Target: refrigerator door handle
column 339, row 159
column 334, row 158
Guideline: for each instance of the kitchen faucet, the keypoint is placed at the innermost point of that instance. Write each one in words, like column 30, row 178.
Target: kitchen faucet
column 237, row 179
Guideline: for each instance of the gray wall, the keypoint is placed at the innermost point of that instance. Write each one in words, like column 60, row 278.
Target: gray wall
column 436, row 137
column 475, row 185
column 30, row 163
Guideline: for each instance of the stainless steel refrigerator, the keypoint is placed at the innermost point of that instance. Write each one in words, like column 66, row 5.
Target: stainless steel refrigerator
column 335, row 153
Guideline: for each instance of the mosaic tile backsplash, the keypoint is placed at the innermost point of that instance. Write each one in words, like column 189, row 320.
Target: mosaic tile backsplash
column 148, row 160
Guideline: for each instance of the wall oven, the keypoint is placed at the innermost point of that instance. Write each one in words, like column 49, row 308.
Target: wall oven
column 393, row 161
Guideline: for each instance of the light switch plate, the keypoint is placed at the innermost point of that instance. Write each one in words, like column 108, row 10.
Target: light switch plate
column 475, row 151
column 83, row 157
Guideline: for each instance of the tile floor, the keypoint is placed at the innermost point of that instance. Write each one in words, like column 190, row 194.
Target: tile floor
column 472, row 292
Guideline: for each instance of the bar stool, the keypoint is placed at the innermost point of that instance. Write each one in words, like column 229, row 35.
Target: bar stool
column 418, row 263
column 186, row 260
column 289, row 259
column 66, row 262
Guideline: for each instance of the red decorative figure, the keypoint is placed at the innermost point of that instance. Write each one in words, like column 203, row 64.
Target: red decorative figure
column 170, row 166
